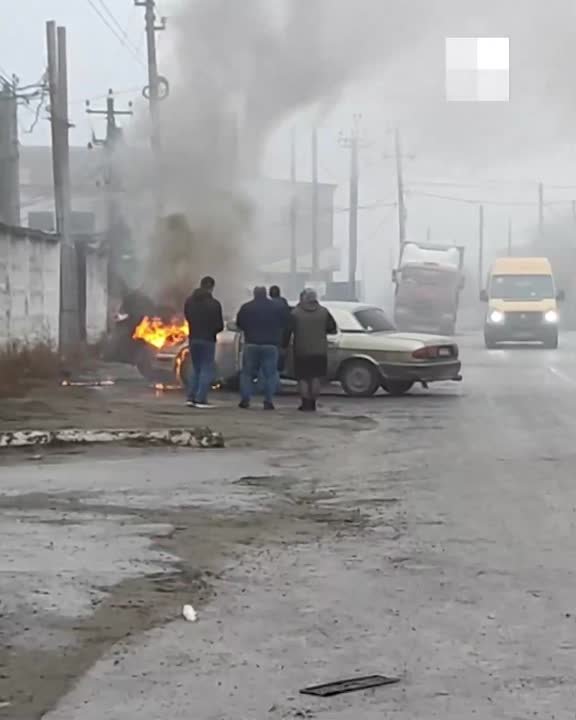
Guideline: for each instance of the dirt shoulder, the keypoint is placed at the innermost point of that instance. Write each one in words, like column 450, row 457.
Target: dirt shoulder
column 134, row 405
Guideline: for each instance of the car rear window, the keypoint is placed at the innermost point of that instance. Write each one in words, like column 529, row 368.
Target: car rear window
column 374, row 320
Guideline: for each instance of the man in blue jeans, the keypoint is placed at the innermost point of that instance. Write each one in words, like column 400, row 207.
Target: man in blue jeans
column 204, row 316
column 263, row 323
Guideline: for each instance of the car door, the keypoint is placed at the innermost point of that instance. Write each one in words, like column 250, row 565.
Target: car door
column 334, row 353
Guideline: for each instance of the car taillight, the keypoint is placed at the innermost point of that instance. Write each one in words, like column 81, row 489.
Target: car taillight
column 434, row 351
column 425, row 353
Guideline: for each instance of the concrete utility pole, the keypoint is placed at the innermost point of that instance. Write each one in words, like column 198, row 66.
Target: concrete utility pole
column 353, row 217
column 70, row 332
column 541, row 210
column 402, row 216
column 9, row 155
column 315, row 204
column 353, row 143
column 156, row 90
column 113, row 186
column 481, row 247
column 293, row 211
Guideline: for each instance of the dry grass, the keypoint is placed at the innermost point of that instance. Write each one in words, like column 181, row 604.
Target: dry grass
column 24, row 365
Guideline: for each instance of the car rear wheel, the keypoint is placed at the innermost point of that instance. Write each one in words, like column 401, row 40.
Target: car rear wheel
column 359, row 378
column 397, row 387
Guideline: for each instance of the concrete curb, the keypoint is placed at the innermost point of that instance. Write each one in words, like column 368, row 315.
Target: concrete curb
column 196, row 438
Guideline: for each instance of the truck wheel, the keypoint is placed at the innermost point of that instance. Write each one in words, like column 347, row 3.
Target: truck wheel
column 396, row 388
column 359, row 378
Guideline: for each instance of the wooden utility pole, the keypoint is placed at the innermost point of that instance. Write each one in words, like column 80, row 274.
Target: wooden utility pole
column 69, row 330
column 156, row 90
column 9, row 155
column 400, row 181
column 481, row 247
column 293, row 211
column 315, row 204
column 113, row 186
column 541, row 210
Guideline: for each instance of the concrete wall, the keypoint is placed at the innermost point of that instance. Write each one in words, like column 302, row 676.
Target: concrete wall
column 96, row 295
column 29, row 285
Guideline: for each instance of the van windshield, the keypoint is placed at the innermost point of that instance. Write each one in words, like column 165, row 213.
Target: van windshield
column 522, row 287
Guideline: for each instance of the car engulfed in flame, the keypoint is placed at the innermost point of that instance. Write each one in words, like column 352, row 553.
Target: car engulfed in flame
column 161, row 334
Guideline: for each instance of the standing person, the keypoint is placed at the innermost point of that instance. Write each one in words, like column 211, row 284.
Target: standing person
column 204, row 316
column 311, row 323
column 262, row 321
column 276, row 296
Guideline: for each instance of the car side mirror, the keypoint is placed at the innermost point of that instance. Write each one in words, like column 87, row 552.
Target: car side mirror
column 483, row 296
column 231, row 326
column 561, row 296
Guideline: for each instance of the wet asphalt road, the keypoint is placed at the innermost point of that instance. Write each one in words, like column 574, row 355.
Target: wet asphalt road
column 429, row 537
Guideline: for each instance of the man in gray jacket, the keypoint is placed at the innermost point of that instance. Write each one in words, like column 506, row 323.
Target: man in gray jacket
column 311, row 323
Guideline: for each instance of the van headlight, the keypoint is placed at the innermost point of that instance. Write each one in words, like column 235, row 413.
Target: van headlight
column 551, row 316
column 496, row 317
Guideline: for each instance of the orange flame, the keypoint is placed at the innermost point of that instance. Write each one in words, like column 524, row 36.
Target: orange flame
column 159, row 334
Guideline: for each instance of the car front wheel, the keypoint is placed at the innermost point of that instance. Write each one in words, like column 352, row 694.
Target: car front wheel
column 397, row 387
column 184, row 368
column 360, row 379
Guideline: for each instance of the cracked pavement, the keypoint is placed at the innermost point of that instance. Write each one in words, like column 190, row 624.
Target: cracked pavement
column 429, row 537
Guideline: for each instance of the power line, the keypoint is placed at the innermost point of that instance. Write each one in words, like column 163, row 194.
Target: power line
column 95, row 98
column 503, row 203
column 120, row 36
column 114, row 20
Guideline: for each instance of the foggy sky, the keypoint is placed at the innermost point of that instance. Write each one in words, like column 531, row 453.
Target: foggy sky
column 381, row 58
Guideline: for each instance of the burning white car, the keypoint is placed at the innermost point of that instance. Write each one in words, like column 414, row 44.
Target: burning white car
column 366, row 354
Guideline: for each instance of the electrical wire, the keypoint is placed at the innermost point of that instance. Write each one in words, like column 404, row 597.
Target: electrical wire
column 503, row 203
column 37, row 112
column 119, row 35
column 114, row 20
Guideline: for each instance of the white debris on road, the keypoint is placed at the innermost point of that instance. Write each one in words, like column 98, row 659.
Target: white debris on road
column 196, row 438
column 189, row 613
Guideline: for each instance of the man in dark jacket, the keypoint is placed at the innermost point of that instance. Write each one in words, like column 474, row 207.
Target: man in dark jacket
column 204, row 316
column 311, row 323
column 276, row 296
column 263, row 322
